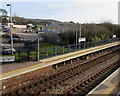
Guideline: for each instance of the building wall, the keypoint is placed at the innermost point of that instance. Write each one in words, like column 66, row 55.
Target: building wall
column 52, row 28
column 54, row 38
column 16, row 26
column 52, row 32
column 19, row 26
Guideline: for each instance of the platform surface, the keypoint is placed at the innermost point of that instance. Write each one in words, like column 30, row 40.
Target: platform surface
column 108, row 86
column 31, row 66
column 17, row 65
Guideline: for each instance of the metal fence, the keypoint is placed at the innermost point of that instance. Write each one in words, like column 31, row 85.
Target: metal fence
column 30, row 53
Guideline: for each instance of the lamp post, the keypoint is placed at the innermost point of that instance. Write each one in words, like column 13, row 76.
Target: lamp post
column 11, row 28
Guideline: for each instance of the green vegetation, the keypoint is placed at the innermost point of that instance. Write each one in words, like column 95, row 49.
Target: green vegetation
column 46, row 49
column 44, row 46
column 43, row 53
column 47, row 45
column 92, row 32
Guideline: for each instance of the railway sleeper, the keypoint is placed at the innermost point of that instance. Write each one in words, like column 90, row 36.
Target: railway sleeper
column 27, row 91
column 85, row 89
column 80, row 90
column 93, row 84
column 82, row 85
column 13, row 94
column 89, row 87
column 22, row 92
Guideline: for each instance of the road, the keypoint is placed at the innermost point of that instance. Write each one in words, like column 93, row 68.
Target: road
column 28, row 36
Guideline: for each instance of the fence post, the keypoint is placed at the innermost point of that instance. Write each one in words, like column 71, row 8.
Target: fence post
column 87, row 44
column 69, row 48
column 79, row 46
column 47, row 53
column 55, row 52
column 37, row 55
column 74, row 47
column 19, row 56
column 28, row 55
column 84, row 44
column 63, row 50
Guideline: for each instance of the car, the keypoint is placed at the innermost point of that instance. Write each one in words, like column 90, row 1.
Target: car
column 29, row 30
column 6, row 30
column 6, row 49
column 16, row 40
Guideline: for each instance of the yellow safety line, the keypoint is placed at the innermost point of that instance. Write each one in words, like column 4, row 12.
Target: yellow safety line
column 20, row 69
column 109, row 90
column 111, row 86
column 54, row 59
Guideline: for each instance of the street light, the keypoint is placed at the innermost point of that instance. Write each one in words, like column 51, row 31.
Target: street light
column 11, row 28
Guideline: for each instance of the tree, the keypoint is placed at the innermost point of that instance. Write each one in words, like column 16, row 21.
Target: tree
column 71, row 22
column 68, row 37
column 3, row 12
column 97, row 32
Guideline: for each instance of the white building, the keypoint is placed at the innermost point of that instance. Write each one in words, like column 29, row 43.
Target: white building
column 16, row 26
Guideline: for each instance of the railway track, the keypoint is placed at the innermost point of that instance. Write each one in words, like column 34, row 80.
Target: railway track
column 50, row 84
column 41, row 74
column 73, row 81
column 90, row 82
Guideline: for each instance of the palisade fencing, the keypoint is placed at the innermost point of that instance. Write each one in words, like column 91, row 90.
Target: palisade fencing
column 30, row 53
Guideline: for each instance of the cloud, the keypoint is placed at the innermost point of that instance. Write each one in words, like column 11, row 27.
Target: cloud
column 67, row 11
column 89, row 12
column 60, row 0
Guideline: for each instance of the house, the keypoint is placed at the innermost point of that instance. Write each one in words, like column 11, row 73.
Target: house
column 19, row 26
column 16, row 26
column 51, row 33
column 52, row 28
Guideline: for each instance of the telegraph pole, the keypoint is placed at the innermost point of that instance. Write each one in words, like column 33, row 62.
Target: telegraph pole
column 80, row 33
column 76, row 36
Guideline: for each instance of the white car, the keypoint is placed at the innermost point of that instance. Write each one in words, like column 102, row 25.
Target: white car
column 6, row 49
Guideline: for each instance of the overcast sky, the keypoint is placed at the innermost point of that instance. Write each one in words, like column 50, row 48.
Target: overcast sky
column 83, row 11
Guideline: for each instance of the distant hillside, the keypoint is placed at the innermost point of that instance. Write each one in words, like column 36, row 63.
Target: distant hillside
column 22, row 20
column 43, row 21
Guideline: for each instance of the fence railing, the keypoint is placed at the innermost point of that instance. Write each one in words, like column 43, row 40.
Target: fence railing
column 72, row 48
column 30, row 53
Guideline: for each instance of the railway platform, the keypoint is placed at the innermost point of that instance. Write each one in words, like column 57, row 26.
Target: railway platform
column 109, row 87
column 51, row 61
